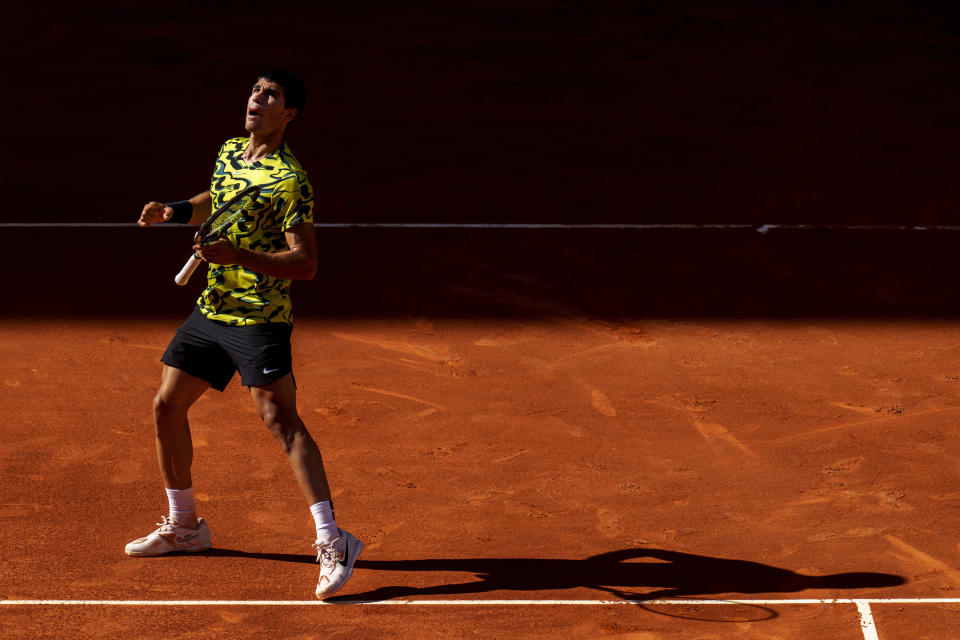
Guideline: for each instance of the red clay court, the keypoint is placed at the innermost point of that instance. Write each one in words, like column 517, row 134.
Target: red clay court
column 591, row 393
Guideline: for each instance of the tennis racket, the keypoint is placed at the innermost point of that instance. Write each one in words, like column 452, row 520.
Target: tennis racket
column 215, row 226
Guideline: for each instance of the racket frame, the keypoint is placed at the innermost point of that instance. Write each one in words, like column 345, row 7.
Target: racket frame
column 213, row 234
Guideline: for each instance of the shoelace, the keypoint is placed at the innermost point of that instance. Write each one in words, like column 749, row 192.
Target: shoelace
column 327, row 553
column 166, row 524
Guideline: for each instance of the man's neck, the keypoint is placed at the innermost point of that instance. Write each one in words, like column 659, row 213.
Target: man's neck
column 260, row 147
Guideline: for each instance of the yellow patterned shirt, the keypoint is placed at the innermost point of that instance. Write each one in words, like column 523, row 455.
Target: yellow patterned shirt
column 235, row 295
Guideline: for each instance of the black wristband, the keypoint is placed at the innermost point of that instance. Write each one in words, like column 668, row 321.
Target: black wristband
column 182, row 211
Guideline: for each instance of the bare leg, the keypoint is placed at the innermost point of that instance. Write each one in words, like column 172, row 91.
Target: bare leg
column 178, row 391
column 182, row 531
column 277, row 404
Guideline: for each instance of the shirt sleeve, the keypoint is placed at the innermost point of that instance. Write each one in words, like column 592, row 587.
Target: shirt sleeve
column 293, row 201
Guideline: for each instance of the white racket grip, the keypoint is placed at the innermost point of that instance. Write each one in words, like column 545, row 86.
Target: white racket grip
column 188, row 270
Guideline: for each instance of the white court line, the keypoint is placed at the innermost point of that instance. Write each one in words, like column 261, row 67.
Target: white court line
column 866, row 602
column 759, row 228
column 867, row 624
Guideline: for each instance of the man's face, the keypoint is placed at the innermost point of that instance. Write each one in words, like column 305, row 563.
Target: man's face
column 266, row 108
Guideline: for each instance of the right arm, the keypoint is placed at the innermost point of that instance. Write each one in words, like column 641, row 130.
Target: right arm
column 155, row 212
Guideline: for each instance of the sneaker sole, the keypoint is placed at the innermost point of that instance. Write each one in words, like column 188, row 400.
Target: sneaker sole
column 146, row 554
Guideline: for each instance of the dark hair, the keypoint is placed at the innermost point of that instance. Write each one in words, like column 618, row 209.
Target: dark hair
column 294, row 91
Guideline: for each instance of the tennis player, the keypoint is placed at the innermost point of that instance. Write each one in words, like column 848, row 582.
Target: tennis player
column 242, row 322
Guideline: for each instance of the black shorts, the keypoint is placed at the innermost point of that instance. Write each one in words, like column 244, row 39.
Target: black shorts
column 213, row 351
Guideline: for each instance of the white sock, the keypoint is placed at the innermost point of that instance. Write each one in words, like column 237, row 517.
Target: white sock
column 326, row 524
column 182, row 507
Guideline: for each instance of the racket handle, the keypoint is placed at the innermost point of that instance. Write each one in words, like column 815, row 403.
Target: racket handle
column 187, row 270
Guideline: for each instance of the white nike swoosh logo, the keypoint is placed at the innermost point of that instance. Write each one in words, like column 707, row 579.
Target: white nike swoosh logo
column 269, row 371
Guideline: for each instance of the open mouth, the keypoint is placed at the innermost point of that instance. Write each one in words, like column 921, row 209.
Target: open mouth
column 253, row 113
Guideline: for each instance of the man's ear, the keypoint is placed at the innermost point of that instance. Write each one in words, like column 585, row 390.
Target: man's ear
column 290, row 114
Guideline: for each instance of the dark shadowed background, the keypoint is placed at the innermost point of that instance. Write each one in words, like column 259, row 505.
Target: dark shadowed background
column 517, row 112
column 492, row 111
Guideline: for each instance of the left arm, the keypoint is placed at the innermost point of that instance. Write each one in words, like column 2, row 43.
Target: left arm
column 299, row 262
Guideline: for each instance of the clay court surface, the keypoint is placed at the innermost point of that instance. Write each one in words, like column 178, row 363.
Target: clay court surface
column 720, row 429
column 517, row 442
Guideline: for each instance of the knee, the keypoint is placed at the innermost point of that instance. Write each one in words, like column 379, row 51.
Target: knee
column 166, row 413
column 285, row 429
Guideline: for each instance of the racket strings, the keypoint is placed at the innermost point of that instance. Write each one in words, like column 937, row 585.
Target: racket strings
column 225, row 217
column 222, row 224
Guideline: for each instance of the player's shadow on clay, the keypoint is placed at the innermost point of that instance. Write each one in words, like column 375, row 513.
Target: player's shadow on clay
column 217, row 552
column 657, row 573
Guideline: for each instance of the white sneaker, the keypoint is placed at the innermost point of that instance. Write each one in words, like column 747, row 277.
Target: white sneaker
column 336, row 562
column 171, row 537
